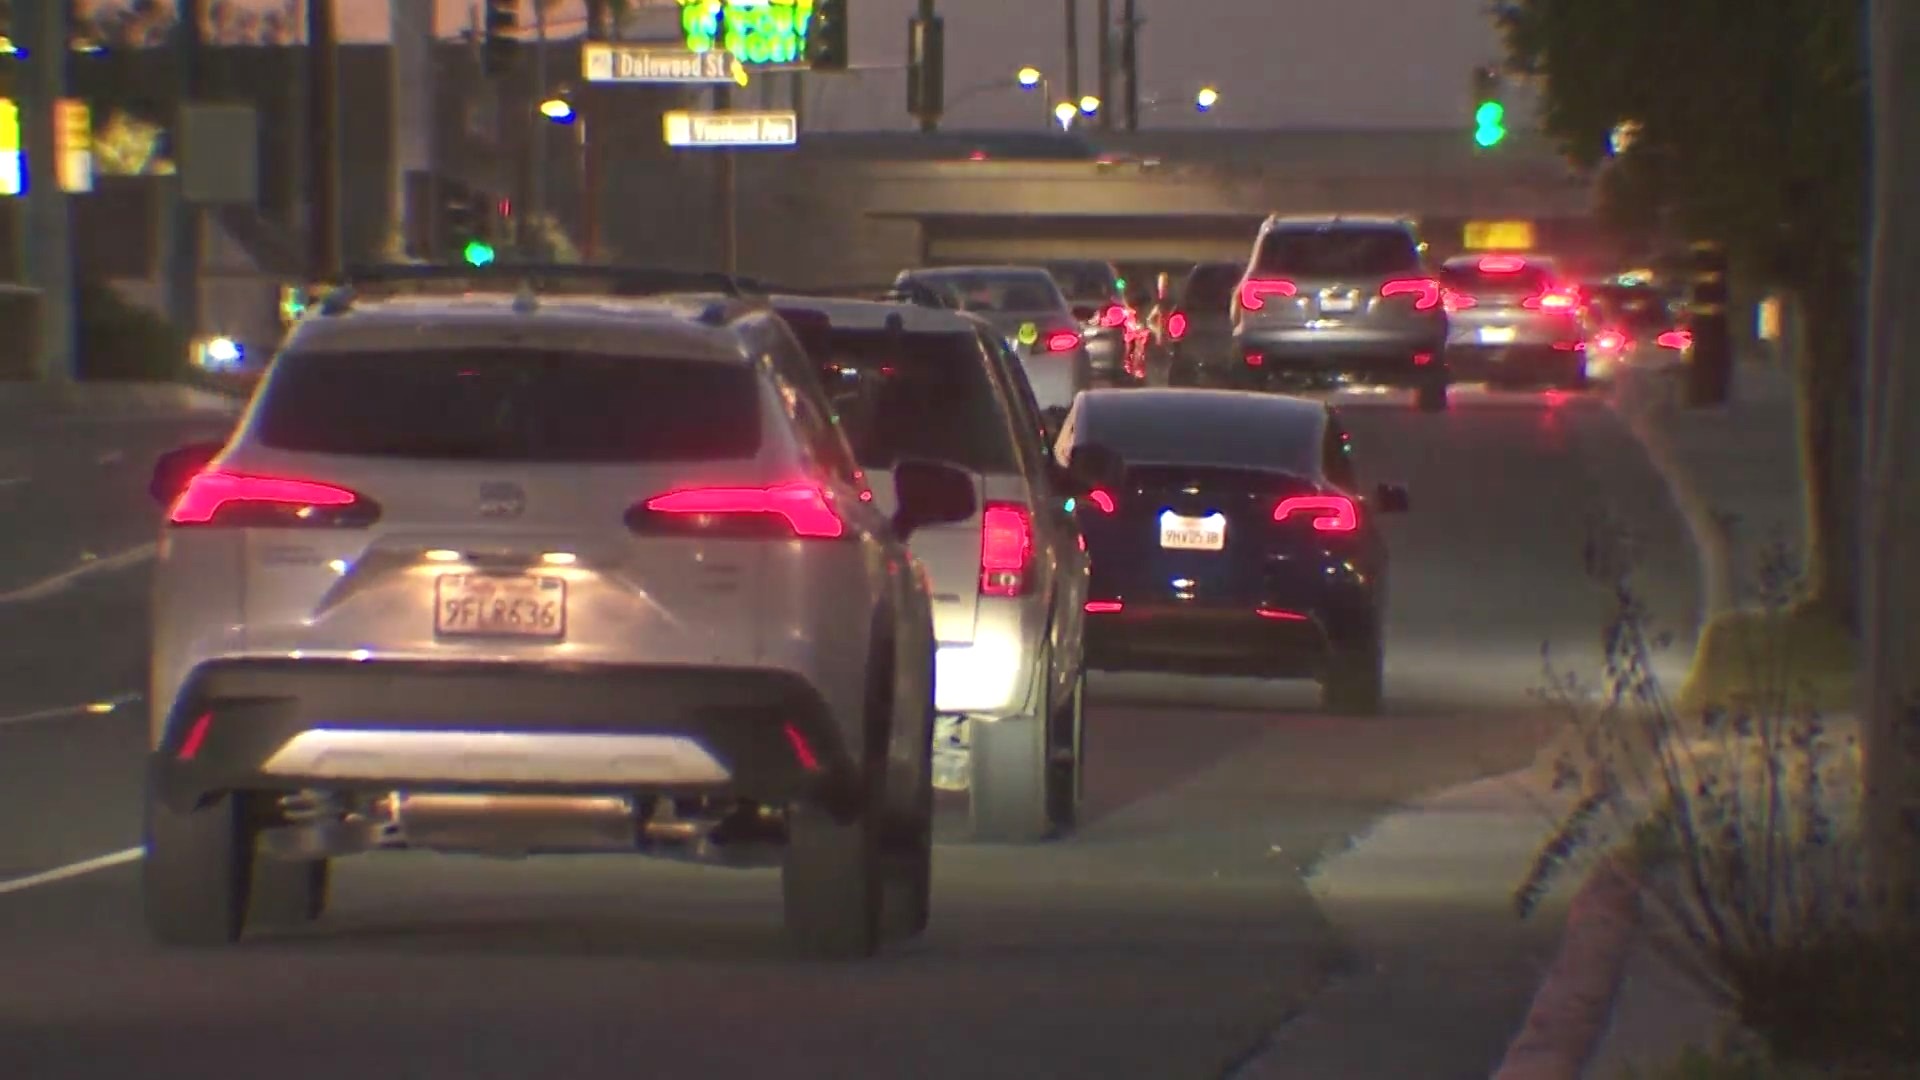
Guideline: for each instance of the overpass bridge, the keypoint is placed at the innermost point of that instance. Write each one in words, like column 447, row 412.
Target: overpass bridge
column 859, row 207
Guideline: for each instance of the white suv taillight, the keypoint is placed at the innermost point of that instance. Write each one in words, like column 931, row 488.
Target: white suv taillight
column 1006, row 549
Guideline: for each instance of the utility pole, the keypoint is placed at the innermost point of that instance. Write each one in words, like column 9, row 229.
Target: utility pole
column 183, row 236
column 1130, row 60
column 537, row 151
column 727, row 190
column 1073, row 52
column 601, row 26
column 1890, row 591
column 46, row 250
column 323, row 161
column 1103, row 18
column 411, row 79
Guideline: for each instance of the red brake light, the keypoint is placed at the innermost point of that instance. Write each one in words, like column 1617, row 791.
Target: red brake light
column 1063, row 342
column 1101, row 500
column 1562, row 300
column 1502, row 264
column 796, row 509
column 1330, row 513
column 1254, row 291
column 1609, row 340
column 1458, row 301
column 215, row 497
column 1006, row 549
column 1116, row 315
column 1426, row 292
column 1675, row 339
column 1177, row 325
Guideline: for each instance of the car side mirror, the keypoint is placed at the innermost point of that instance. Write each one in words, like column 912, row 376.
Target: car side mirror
column 176, row 468
column 1086, row 313
column 1391, row 499
column 931, row 493
column 1097, row 466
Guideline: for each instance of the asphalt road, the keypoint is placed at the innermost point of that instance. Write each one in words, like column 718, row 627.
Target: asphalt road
column 1166, row 940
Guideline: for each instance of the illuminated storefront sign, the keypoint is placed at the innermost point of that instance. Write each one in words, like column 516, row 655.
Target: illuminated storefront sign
column 756, row 31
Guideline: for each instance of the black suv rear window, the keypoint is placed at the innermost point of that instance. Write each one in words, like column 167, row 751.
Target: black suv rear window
column 1217, row 433
column 510, row 404
column 1338, row 251
column 1210, row 287
column 918, row 396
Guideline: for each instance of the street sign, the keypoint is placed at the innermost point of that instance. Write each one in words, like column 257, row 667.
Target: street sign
column 646, row 64
column 1498, row 236
column 12, row 174
column 732, row 128
column 72, row 147
column 73, row 144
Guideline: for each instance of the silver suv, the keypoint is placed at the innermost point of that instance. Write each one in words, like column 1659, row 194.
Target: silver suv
column 1010, row 583
column 1332, row 300
column 1514, row 319
column 516, row 574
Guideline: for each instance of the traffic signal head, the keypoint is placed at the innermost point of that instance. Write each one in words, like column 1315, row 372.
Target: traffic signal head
column 477, row 253
column 1489, row 109
column 827, row 36
column 499, row 48
column 1489, row 123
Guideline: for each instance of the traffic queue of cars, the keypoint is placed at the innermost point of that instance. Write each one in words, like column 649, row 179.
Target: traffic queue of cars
column 1333, row 300
column 533, row 560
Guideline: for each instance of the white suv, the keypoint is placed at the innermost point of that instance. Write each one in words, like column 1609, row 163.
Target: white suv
column 1010, row 582
column 507, row 573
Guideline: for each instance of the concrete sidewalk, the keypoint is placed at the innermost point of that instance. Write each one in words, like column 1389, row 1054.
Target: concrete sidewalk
column 1425, row 901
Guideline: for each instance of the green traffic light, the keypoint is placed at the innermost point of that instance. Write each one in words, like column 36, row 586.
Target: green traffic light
column 478, row 253
column 1490, row 121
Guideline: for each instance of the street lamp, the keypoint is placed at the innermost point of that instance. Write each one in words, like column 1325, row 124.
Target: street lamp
column 1065, row 112
column 1029, row 78
column 1206, row 99
column 1089, row 105
column 559, row 110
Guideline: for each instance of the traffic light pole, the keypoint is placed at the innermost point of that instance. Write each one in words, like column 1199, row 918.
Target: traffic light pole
column 1073, row 50
column 1130, row 61
column 47, row 253
column 1103, row 18
column 183, row 238
column 727, row 191
column 537, row 149
column 323, row 162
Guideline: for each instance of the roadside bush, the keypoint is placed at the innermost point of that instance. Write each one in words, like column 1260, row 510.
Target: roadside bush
column 1740, row 821
column 119, row 340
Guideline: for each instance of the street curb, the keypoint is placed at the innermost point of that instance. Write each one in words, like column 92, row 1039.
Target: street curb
column 1712, row 543
column 1574, row 1005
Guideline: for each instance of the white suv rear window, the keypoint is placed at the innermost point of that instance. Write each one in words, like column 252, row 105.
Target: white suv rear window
column 517, row 404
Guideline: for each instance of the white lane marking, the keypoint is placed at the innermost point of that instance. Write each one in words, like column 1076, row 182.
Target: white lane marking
column 72, row 870
column 91, row 708
column 10, row 481
column 65, row 579
column 111, row 457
